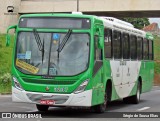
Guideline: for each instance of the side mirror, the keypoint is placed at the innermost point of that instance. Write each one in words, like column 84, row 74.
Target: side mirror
column 8, row 37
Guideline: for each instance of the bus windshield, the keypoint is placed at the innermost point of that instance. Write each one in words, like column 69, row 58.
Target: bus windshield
column 72, row 60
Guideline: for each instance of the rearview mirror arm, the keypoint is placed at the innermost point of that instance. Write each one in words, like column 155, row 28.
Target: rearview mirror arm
column 8, row 36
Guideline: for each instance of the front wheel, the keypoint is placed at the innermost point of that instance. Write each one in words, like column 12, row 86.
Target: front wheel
column 101, row 108
column 42, row 107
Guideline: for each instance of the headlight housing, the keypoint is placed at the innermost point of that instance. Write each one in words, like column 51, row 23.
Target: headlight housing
column 82, row 87
column 17, row 84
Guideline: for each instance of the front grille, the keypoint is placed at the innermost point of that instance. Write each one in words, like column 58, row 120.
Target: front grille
column 39, row 81
column 37, row 97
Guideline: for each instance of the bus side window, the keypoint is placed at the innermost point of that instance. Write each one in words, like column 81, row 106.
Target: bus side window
column 117, row 45
column 139, row 48
column 145, row 49
column 125, row 42
column 107, row 43
column 150, row 50
column 133, row 47
column 98, row 52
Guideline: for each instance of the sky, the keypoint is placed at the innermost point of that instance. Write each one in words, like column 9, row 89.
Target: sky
column 152, row 20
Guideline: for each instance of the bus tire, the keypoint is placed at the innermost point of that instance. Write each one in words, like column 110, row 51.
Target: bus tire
column 101, row 108
column 42, row 107
column 126, row 100
column 136, row 98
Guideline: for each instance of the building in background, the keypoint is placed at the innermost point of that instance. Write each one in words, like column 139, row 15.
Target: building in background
column 114, row 8
column 31, row 6
column 6, row 18
column 152, row 28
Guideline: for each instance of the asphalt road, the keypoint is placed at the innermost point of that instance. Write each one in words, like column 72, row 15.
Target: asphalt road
column 150, row 102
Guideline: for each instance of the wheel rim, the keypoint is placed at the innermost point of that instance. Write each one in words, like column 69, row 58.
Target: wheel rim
column 138, row 93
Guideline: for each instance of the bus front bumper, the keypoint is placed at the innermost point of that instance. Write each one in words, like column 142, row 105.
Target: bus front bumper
column 80, row 99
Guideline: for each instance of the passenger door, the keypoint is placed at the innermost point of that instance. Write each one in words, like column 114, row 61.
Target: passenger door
column 98, row 69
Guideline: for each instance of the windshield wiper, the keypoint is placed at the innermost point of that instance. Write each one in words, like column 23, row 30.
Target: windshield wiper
column 64, row 41
column 39, row 42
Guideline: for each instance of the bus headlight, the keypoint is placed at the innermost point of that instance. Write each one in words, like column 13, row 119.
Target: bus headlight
column 82, row 87
column 17, row 84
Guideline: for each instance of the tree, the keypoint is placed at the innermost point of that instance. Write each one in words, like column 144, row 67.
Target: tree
column 138, row 23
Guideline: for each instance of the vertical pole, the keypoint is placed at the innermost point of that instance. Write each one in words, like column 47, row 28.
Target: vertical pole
column 77, row 5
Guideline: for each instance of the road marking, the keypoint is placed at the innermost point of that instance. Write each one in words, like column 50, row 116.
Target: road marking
column 31, row 111
column 144, row 108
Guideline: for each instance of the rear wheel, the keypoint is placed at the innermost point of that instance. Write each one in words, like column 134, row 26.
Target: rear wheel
column 42, row 107
column 102, row 107
column 136, row 98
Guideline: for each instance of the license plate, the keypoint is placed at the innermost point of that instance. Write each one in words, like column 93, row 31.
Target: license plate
column 47, row 102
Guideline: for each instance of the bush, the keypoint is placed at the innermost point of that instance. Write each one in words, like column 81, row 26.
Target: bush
column 6, row 79
column 5, row 83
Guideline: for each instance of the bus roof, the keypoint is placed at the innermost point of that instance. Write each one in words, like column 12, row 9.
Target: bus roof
column 122, row 27
column 117, row 24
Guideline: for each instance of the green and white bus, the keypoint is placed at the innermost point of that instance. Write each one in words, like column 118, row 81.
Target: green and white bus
column 79, row 60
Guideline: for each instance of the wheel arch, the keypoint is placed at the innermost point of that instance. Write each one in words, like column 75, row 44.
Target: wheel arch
column 108, row 89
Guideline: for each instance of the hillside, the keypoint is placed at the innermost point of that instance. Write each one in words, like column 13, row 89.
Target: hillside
column 5, row 64
column 157, row 60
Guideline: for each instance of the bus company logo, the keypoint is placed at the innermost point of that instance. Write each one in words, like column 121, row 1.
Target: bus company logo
column 47, row 89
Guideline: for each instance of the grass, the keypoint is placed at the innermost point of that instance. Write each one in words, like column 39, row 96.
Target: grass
column 157, row 54
column 5, row 55
column 5, row 63
column 157, row 48
column 157, row 60
column 5, row 88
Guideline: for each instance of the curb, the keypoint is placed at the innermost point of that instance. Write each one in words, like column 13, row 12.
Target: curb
column 155, row 88
column 6, row 93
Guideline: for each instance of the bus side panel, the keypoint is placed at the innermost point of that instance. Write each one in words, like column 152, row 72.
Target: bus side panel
column 99, row 84
column 98, row 89
column 108, row 76
column 147, row 74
